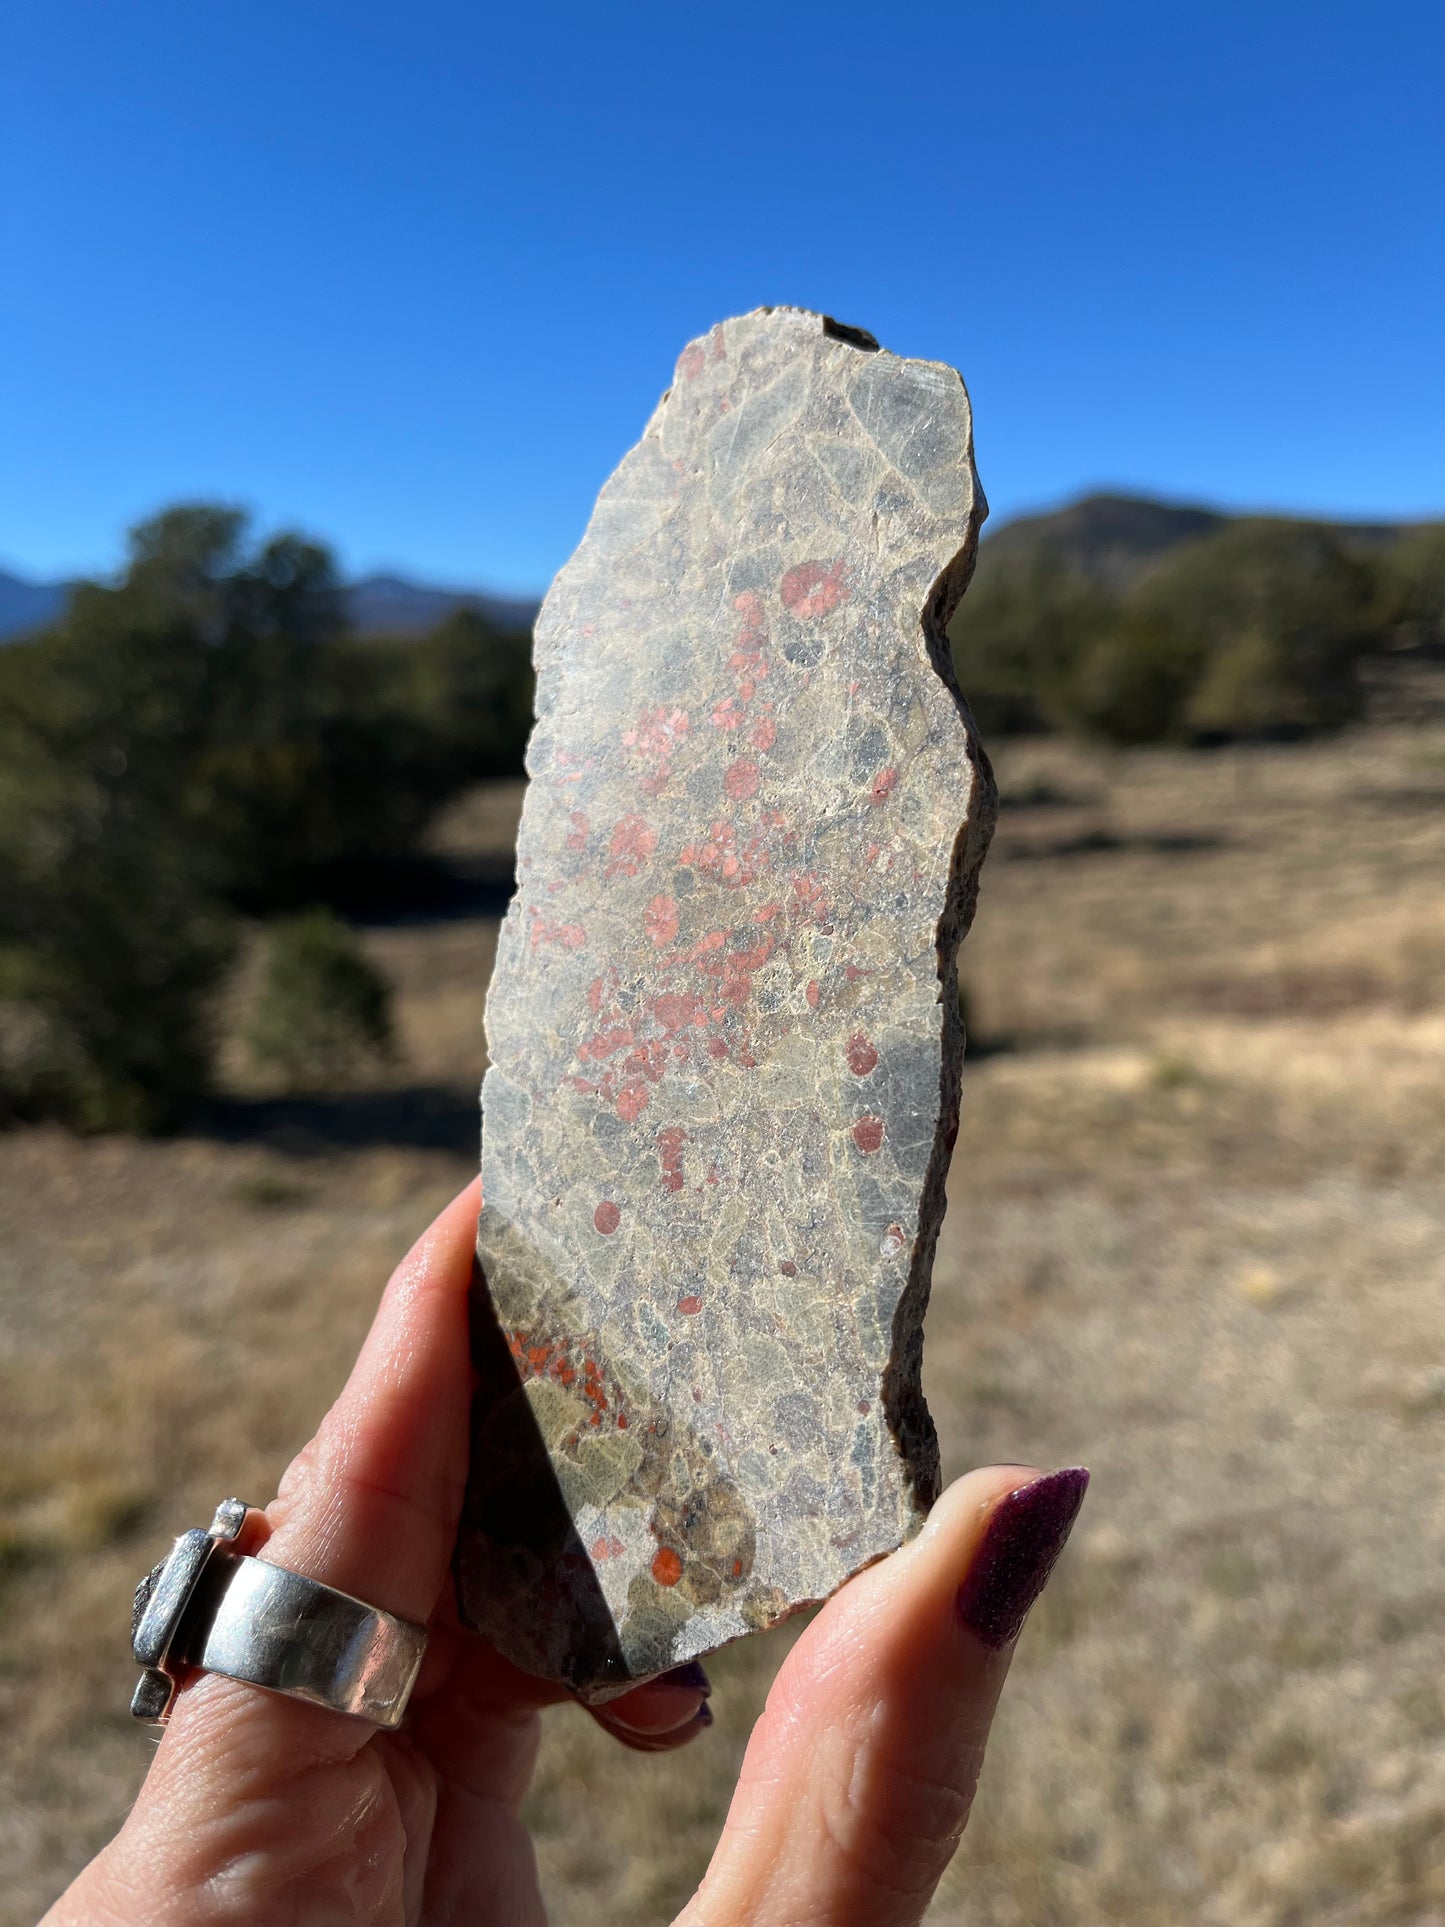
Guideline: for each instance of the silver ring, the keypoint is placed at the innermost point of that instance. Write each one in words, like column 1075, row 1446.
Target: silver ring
column 207, row 1607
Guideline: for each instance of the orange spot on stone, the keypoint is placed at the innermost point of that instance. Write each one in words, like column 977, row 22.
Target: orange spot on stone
column 811, row 993
column 666, row 1566
column 606, row 1218
column 868, row 1134
column 884, row 784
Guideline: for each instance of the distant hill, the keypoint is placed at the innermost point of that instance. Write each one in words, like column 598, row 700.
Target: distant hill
column 1110, row 539
column 377, row 604
column 390, row 605
column 28, row 605
column 1114, row 539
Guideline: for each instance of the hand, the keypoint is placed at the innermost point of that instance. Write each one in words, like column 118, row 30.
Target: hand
column 857, row 1780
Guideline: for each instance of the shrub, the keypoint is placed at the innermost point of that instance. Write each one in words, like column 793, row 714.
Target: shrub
column 323, row 1007
column 1284, row 614
column 1016, row 640
column 1130, row 683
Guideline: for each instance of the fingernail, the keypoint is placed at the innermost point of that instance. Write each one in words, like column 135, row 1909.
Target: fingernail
column 662, row 1742
column 690, row 1677
column 1010, row 1569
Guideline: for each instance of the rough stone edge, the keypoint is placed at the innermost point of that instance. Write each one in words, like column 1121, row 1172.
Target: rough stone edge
column 905, row 1407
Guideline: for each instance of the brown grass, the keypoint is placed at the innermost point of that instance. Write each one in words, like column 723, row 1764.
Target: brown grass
column 1194, row 1240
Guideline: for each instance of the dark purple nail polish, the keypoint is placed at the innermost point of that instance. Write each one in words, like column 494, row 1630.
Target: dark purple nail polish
column 1025, row 1536
column 690, row 1677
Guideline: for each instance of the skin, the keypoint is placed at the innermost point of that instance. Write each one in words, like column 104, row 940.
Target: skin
column 853, row 1795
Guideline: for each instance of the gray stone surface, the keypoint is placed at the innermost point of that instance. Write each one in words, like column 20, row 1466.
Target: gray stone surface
column 723, row 1027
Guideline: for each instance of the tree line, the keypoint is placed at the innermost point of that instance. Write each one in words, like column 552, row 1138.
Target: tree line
column 1264, row 628
column 202, row 745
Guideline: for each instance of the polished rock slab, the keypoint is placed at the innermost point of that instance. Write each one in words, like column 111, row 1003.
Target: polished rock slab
column 723, row 1026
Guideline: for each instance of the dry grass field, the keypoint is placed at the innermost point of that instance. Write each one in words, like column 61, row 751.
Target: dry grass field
column 1196, row 1240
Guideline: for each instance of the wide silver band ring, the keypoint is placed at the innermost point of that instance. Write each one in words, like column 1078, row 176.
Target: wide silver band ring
column 208, row 1607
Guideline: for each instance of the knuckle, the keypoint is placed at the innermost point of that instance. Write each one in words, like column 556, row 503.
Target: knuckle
column 892, row 1825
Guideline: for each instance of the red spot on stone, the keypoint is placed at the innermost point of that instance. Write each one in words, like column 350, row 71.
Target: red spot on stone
column 633, row 842
column 788, row 1268
column 868, row 1134
column 676, row 1010
column 811, row 993
column 632, row 1101
column 577, row 835
column 862, row 1057
column 669, row 1151
column 716, row 1047
column 666, row 1566
column 741, row 780
column 766, row 913
column 764, row 735
column 884, row 784
column 659, row 920
column 622, row 1421
column 692, row 361
column 810, row 900
column 815, row 589
column 570, row 936
column 606, row 1218
column 609, row 1547
column 690, row 1305
column 737, row 1568
column 655, row 737
column 864, row 1408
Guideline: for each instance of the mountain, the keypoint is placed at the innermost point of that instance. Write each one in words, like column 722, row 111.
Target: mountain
column 377, row 605
column 28, row 605
column 1110, row 539
column 390, row 605
column 1114, row 539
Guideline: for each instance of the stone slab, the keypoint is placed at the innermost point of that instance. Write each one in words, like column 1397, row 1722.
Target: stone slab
column 723, row 1027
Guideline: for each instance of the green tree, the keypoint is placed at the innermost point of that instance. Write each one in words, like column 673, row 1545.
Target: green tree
column 197, row 737
column 1283, row 613
column 1017, row 638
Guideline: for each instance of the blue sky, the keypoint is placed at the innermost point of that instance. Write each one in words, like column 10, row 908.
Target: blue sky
column 412, row 276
